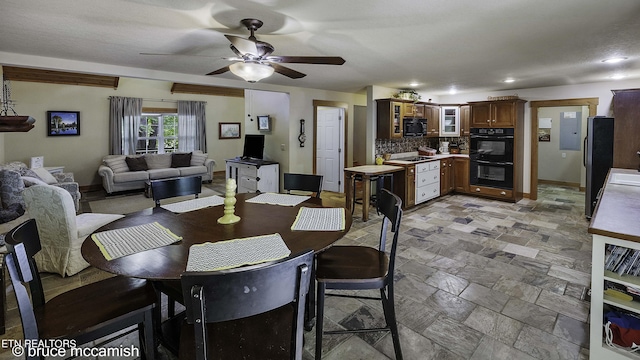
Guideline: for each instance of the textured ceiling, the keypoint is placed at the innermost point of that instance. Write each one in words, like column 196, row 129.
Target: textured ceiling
column 466, row 44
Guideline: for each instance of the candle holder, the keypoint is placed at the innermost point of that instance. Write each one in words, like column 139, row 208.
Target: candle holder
column 229, row 204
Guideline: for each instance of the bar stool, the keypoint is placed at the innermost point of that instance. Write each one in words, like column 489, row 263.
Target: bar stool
column 379, row 181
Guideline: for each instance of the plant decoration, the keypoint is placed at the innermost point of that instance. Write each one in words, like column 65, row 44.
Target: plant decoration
column 408, row 95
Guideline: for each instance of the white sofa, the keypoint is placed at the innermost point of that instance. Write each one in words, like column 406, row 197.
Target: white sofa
column 118, row 176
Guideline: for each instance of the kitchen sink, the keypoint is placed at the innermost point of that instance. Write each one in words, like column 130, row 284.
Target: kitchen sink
column 415, row 158
column 625, row 179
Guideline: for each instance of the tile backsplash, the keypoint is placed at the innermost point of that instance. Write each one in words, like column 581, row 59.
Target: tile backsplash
column 408, row 144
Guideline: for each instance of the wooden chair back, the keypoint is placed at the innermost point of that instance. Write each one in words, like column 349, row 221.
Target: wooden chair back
column 303, row 182
column 390, row 206
column 218, row 296
column 22, row 244
column 168, row 188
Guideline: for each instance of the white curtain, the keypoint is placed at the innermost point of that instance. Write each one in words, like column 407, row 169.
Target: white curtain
column 124, row 116
column 191, row 126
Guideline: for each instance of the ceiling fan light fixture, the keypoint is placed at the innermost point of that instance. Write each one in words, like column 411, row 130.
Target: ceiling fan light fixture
column 250, row 71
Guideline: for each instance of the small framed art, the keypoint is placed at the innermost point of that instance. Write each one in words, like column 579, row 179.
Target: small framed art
column 63, row 123
column 229, row 131
column 264, row 123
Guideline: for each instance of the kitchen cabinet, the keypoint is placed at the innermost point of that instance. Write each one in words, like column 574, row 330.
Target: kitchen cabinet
column 461, row 175
column 410, row 189
column 626, row 142
column 500, row 113
column 427, row 181
column 446, row 176
column 432, row 114
column 465, row 120
column 414, row 110
column 390, row 114
column 449, row 121
column 254, row 175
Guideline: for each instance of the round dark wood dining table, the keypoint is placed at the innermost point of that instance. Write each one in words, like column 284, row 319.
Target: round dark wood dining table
column 201, row 226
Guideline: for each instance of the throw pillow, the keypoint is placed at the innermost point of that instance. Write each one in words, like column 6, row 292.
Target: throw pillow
column 198, row 158
column 180, row 160
column 158, row 161
column 45, row 175
column 117, row 164
column 136, row 163
column 30, row 181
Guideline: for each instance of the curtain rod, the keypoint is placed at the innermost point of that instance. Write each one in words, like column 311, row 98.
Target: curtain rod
column 163, row 100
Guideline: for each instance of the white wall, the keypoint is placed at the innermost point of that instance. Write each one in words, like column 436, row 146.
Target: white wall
column 600, row 90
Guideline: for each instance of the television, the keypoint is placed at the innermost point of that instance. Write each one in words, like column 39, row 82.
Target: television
column 253, row 146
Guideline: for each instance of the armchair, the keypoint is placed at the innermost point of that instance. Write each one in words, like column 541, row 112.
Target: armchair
column 31, row 177
column 11, row 202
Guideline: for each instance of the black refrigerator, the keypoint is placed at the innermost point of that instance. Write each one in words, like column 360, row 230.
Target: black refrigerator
column 598, row 158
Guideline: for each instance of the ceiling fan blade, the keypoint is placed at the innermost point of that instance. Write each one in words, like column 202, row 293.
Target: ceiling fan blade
column 323, row 60
column 243, row 45
column 219, row 71
column 287, row 71
column 164, row 54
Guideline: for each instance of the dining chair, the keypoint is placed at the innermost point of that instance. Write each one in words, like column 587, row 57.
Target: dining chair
column 303, row 182
column 61, row 231
column 84, row 314
column 168, row 188
column 362, row 268
column 254, row 312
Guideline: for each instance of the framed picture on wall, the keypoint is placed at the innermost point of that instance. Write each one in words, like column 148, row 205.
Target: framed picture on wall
column 264, row 123
column 229, row 131
column 63, row 123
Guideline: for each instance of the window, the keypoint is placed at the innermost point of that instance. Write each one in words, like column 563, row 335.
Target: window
column 157, row 134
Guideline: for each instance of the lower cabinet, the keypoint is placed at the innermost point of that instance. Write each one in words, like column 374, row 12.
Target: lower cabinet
column 446, row 176
column 427, row 181
column 254, row 175
column 410, row 194
column 461, row 175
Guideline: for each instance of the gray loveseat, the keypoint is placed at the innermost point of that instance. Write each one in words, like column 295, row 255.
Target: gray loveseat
column 127, row 172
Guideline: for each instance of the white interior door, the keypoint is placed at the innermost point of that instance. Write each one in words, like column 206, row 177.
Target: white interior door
column 329, row 147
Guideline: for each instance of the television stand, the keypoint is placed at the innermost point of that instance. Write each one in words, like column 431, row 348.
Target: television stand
column 254, row 175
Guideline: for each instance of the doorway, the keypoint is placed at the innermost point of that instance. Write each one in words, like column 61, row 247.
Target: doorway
column 591, row 103
column 329, row 143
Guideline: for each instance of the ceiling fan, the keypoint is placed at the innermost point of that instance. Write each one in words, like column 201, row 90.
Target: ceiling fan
column 254, row 61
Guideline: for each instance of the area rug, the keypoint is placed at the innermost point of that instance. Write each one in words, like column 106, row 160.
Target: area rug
column 125, row 204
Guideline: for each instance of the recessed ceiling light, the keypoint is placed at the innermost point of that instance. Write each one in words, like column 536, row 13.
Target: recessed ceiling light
column 453, row 91
column 617, row 76
column 413, row 84
column 509, row 80
column 614, row 60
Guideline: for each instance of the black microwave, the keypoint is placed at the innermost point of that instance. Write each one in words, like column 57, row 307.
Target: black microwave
column 415, row 127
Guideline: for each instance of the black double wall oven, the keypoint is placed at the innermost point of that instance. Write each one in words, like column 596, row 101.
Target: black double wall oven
column 491, row 157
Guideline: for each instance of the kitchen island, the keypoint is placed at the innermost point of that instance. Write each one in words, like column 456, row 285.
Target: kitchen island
column 616, row 222
column 428, row 177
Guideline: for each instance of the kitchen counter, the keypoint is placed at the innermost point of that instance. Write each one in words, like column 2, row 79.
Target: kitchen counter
column 618, row 212
column 430, row 158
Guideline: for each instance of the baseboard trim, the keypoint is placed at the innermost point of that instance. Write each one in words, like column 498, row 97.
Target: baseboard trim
column 561, row 183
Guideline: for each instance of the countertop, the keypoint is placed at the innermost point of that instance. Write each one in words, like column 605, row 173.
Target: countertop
column 618, row 212
column 432, row 158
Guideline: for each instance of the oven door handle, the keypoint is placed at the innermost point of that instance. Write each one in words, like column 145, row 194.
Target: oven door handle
column 492, row 137
column 498, row 163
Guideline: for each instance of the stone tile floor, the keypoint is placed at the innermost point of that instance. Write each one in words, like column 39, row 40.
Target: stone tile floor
column 476, row 279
